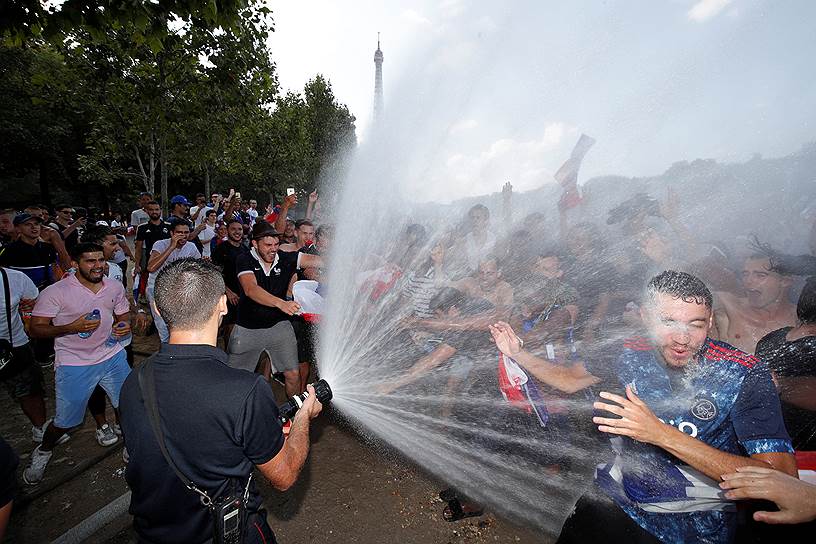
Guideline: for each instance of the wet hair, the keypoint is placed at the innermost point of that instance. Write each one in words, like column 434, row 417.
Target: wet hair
column 680, row 285
column 806, row 307
column 324, row 231
column 478, row 208
column 417, row 232
column 187, row 292
column 84, row 247
column 300, row 222
column 446, row 299
column 95, row 234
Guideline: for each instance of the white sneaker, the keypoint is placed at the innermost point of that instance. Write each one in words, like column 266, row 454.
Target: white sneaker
column 105, row 436
column 117, row 429
column 33, row 473
column 38, row 432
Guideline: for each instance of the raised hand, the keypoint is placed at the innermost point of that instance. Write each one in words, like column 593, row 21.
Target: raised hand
column 506, row 339
column 313, row 197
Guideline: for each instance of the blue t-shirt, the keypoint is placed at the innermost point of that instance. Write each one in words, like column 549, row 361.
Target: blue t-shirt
column 726, row 399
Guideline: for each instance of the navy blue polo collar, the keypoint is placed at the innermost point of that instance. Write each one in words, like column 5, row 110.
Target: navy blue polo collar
column 192, row 351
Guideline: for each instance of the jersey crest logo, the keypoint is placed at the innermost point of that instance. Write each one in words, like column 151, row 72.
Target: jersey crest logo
column 704, row 410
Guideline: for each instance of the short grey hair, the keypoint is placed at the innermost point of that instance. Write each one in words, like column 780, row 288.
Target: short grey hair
column 187, row 292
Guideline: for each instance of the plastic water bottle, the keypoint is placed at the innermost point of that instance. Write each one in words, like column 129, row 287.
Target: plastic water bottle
column 93, row 316
column 112, row 340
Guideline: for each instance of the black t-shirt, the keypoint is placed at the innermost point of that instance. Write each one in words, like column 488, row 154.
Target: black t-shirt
column 794, row 359
column 8, row 473
column 225, row 255
column 71, row 240
column 252, row 315
column 218, row 422
column 32, row 260
column 149, row 234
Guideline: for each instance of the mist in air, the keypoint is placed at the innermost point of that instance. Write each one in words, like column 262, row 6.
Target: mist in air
column 704, row 107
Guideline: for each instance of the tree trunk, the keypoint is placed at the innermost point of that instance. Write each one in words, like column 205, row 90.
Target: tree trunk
column 163, row 167
column 45, row 190
column 207, row 181
column 152, row 166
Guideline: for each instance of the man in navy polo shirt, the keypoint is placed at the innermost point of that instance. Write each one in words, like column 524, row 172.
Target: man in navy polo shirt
column 694, row 409
column 217, row 423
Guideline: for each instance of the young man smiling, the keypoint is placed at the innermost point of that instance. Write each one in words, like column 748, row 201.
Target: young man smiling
column 61, row 313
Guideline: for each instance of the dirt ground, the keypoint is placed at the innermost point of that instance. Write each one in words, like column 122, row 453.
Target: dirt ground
column 349, row 491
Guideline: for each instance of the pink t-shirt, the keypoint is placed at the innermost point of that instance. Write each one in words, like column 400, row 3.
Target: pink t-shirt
column 67, row 300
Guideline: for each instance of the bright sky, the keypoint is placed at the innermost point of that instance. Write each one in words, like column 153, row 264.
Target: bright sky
column 480, row 92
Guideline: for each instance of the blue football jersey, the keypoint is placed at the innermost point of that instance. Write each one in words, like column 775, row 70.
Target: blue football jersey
column 724, row 398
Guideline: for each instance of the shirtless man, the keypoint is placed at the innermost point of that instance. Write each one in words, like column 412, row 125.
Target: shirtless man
column 743, row 321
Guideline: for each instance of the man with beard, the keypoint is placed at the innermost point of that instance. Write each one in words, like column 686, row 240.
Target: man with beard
column 693, row 409
column 225, row 255
column 744, row 321
column 147, row 234
column 62, row 312
column 263, row 325
column 163, row 253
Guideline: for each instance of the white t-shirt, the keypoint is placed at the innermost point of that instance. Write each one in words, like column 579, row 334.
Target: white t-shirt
column 20, row 287
column 206, row 236
column 138, row 217
column 477, row 252
column 114, row 271
column 187, row 250
column 202, row 216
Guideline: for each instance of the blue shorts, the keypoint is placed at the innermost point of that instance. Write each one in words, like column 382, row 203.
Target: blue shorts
column 74, row 385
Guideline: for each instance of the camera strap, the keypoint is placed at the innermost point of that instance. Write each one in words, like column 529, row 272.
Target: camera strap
column 148, row 386
column 7, row 293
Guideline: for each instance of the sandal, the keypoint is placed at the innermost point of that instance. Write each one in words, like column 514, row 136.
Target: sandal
column 454, row 511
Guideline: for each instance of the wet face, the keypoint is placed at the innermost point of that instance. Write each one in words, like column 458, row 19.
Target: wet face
column 91, row 266
column 549, row 267
column 479, row 220
column 488, row 274
column 235, row 232
column 109, row 246
column 30, row 230
column 763, row 286
column 154, row 212
column 579, row 241
column 267, row 247
column 677, row 328
column 305, row 234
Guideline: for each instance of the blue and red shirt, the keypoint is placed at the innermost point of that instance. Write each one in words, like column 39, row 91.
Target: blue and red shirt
column 726, row 399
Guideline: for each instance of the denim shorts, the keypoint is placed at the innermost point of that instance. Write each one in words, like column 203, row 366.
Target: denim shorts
column 74, row 385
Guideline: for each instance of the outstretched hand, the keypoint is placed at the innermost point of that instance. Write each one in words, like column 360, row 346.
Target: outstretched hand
column 636, row 420
column 796, row 499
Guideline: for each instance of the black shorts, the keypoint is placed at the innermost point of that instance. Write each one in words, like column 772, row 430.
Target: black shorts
column 305, row 334
column 22, row 377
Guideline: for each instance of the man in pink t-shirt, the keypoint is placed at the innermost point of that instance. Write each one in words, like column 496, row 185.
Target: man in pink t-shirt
column 62, row 312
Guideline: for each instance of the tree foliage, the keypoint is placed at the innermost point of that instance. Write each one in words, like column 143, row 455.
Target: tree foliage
column 159, row 95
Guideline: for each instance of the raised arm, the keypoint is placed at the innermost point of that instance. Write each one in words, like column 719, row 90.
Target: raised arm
column 288, row 202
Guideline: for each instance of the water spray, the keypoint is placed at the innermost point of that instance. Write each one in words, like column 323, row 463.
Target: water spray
column 288, row 409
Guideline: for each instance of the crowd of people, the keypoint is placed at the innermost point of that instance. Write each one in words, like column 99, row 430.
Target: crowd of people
column 697, row 359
